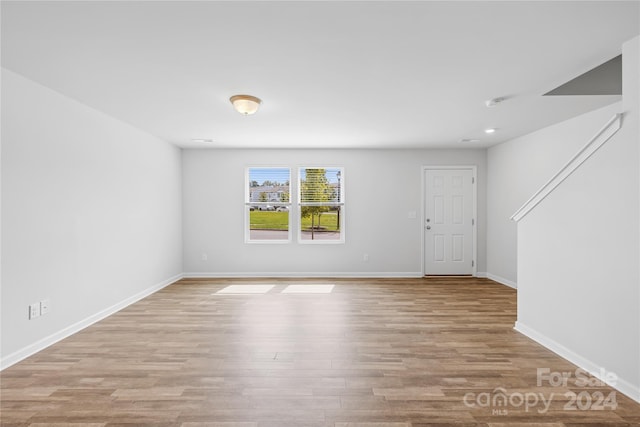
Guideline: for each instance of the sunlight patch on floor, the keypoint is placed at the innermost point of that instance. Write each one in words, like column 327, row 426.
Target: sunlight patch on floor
column 245, row 289
column 308, row 289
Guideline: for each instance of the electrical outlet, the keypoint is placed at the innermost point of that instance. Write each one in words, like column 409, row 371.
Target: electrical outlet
column 45, row 306
column 34, row 310
column 365, row 258
column 205, row 257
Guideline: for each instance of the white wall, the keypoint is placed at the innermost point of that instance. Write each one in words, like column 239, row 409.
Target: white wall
column 517, row 169
column 91, row 214
column 579, row 284
column 381, row 187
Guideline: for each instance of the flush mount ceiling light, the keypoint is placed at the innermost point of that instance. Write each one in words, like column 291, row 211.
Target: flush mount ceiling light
column 202, row 140
column 490, row 130
column 245, row 104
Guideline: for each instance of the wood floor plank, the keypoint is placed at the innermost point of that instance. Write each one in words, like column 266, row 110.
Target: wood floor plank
column 372, row 353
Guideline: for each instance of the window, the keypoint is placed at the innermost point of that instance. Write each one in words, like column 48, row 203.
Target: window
column 321, row 205
column 267, row 204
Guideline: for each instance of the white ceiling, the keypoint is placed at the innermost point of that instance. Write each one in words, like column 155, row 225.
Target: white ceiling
column 331, row 74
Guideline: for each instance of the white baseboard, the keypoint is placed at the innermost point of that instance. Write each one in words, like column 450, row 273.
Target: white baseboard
column 502, row 280
column 482, row 274
column 31, row 349
column 623, row 386
column 364, row 275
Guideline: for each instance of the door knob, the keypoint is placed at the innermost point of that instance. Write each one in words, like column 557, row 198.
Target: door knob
column 428, row 227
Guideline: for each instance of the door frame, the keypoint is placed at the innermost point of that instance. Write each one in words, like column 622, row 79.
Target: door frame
column 474, row 188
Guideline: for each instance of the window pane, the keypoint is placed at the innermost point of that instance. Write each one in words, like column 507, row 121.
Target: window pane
column 321, row 223
column 269, row 185
column 321, row 185
column 268, row 224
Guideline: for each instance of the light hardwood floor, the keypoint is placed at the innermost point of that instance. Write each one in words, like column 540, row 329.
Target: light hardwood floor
column 373, row 353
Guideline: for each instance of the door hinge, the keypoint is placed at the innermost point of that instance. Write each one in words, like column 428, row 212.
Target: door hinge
column 473, row 263
column 473, row 221
column 473, row 180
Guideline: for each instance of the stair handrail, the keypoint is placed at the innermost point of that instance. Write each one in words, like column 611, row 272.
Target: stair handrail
column 603, row 135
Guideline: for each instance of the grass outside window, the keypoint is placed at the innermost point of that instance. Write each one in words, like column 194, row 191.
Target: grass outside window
column 266, row 220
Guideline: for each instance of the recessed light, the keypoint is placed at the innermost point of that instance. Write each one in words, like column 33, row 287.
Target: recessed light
column 202, row 140
column 490, row 130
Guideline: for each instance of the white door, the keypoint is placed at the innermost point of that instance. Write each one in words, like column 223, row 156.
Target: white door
column 449, row 222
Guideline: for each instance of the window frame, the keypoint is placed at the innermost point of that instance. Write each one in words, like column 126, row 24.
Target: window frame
column 248, row 203
column 340, row 203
